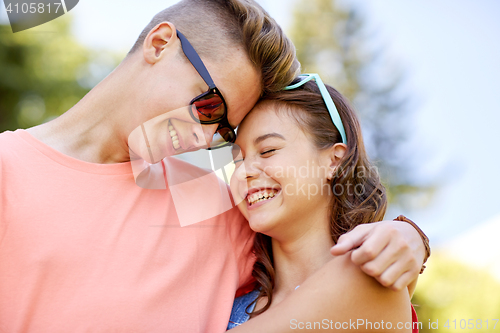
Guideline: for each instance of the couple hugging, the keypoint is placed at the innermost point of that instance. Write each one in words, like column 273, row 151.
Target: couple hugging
column 84, row 249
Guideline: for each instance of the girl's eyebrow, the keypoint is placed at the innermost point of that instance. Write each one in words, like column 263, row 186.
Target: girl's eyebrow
column 267, row 136
column 236, row 148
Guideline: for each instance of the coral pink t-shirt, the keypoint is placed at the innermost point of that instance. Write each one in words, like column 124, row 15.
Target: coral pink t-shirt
column 84, row 249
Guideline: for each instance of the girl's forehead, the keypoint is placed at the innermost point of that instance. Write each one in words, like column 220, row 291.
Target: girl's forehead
column 265, row 119
column 261, row 118
column 263, row 113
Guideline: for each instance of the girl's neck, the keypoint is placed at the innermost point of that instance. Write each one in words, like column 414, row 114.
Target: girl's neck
column 296, row 260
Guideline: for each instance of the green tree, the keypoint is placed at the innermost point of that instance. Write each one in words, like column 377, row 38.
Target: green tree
column 332, row 40
column 44, row 72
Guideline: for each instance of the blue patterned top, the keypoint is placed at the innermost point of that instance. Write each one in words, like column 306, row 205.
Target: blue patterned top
column 238, row 313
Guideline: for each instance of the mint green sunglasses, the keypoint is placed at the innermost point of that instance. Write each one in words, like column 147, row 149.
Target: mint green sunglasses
column 330, row 105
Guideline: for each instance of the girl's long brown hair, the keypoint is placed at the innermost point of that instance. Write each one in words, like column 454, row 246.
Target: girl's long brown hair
column 348, row 208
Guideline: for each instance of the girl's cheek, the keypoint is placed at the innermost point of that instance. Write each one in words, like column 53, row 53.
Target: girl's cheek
column 274, row 171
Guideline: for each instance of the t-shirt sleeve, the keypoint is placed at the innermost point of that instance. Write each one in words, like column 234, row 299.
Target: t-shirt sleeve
column 2, row 208
column 242, row 238
column 3, row 223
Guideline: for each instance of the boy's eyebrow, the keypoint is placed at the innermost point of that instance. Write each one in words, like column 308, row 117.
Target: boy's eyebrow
column 267, row 136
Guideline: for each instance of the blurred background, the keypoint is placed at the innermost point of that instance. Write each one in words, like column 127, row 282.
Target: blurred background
column 424, row 77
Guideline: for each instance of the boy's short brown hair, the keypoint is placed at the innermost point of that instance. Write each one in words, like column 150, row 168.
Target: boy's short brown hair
column 215, row 27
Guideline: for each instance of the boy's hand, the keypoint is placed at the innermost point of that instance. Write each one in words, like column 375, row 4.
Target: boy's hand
column 390, row 251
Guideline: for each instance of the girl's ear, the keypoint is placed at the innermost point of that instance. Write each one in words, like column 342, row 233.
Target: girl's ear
column 335, row 155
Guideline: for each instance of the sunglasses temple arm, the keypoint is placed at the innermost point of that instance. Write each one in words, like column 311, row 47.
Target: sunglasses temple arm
column 332, row 109
column 307, row 78
column 195, row 59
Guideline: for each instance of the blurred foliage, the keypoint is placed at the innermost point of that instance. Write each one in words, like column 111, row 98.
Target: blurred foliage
column 44, row 72
column 449, row 290
column 332, row 40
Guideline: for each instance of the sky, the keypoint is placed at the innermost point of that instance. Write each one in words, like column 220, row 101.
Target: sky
column 450, row 52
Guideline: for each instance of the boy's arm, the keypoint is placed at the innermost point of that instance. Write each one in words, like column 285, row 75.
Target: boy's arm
column 393, row 252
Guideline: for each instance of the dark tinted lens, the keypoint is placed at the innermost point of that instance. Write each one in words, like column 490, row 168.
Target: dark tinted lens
column 227, row 134
column 222, row 138
column 209, row 107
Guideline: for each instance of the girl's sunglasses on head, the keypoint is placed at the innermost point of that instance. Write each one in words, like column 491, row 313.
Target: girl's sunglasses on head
column 330, row 105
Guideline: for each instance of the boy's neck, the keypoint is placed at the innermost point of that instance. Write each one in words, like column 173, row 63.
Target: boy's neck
column 95, row 129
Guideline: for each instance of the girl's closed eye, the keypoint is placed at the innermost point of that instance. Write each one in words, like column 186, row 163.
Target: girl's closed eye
column 268, row 152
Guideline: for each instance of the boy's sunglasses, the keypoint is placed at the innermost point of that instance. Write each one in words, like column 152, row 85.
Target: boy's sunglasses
column 330, row 105
column 209, row 107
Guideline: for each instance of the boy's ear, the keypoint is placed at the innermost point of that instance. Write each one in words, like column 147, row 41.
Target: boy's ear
column 157, row 40
column 336, row 153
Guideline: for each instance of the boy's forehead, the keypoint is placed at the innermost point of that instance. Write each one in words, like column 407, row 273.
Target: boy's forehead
column 239, row 82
